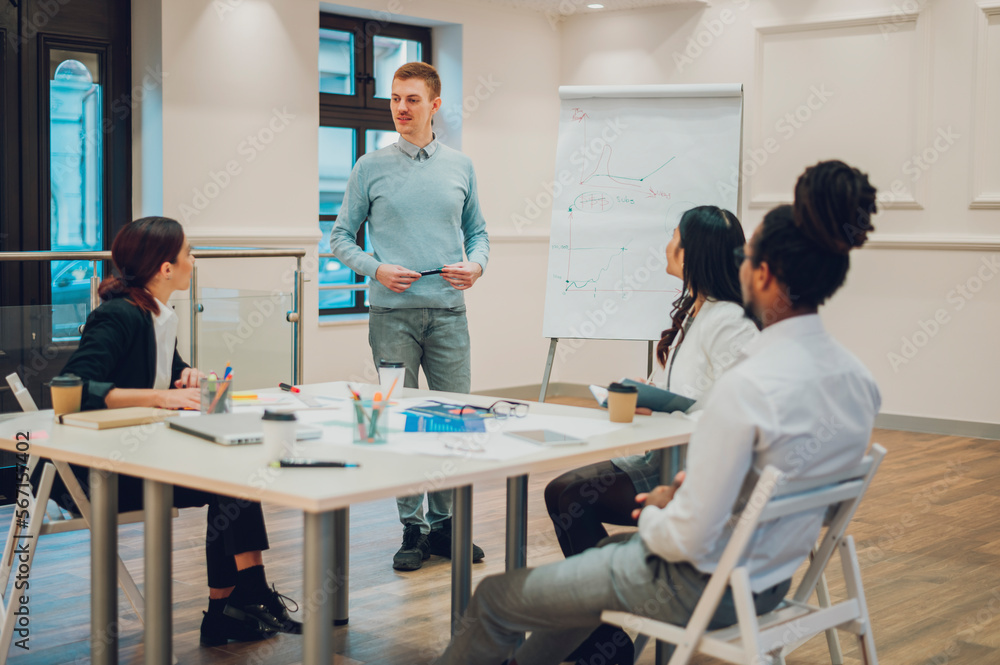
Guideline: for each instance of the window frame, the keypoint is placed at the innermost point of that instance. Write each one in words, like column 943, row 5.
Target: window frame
column 362, row 111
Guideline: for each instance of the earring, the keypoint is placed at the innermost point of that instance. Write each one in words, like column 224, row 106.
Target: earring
column 169, row 277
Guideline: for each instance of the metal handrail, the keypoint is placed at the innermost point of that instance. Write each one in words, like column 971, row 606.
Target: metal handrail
column 340, row 287
column 295, row 317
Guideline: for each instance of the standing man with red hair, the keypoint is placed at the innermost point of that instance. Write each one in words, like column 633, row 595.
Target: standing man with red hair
column 420, row 201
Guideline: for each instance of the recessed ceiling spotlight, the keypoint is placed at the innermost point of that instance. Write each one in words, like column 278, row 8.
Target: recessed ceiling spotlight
column 595, row 6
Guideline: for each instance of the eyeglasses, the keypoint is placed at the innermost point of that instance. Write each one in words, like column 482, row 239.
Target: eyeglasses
column 501, row 410
column 740, row 254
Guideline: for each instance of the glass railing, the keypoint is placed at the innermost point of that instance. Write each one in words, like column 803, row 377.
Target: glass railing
column 246, row 329
column 258, row 332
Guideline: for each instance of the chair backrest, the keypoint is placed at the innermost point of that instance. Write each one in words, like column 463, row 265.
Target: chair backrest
column 773, row 498
column 21, row 393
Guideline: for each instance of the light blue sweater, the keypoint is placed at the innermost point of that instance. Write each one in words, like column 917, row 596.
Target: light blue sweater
column 421, row 215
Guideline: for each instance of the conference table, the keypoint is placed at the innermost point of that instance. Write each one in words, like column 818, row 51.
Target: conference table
column 409, row 464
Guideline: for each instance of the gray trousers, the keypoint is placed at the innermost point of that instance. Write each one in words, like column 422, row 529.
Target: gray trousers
column 437, row 340
column 561, row 604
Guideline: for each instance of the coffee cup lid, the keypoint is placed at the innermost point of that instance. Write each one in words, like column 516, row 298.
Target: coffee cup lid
column 281, row 416
column 66, row 381
column 622, row 388
column 391, row 364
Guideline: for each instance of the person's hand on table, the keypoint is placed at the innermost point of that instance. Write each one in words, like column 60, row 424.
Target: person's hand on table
column 643, row 411
column 181, row 398
column 462, row 275
column 190, row 378
column 395, row 278
column 660, row 496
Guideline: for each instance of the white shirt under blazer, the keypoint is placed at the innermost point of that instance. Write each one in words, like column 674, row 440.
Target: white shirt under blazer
column 714, row 340
column 799, row 401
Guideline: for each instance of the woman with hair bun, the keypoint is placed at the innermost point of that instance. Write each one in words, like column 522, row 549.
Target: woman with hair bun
column 128, row 357
column 797, row 401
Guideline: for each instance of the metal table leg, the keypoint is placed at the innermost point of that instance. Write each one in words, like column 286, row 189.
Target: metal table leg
column 341, row 565
column 157, row 501
column 517, row 522
column 103, row 567
column 318, row 590
column 461, row 555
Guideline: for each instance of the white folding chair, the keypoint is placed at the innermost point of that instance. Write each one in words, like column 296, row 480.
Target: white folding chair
column 765, row 639
column 46, row 518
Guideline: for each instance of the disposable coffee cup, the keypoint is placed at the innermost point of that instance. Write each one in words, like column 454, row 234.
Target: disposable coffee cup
column 67, row 391
column 621, row 402
column 279, row 434
column 390, row 371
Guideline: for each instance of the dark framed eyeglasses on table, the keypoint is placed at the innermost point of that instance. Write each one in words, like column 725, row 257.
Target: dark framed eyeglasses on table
column 501, row 410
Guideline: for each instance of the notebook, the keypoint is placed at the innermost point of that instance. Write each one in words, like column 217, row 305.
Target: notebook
column 234, row 429
column 110, row 418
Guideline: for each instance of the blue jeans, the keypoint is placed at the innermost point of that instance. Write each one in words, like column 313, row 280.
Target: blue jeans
column 561, row 603
column 437, row 340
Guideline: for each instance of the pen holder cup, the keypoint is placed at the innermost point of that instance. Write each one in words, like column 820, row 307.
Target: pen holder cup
column 217, row 396
column 371, row 421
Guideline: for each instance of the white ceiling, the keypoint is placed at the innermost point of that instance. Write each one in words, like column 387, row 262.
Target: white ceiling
column 567, row 7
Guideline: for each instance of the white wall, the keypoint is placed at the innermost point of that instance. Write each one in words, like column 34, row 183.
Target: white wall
column 237, row 69
column 885, row 80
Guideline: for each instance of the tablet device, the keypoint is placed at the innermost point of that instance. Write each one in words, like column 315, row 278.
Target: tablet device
column 650, row 397
column 546, row 437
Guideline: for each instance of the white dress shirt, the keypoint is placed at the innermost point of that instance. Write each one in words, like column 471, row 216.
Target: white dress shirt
column 713, row 342
column 165, row 329
column 798, row 401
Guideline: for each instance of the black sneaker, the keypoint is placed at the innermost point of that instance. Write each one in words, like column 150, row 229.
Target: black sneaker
column 610, row 644
column 413, row 552
column 439, row 543
column 217, row 629
column 269, row 612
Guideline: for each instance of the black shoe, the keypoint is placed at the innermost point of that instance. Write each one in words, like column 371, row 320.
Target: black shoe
column 413, row 552
column 218, row 628
column 270, row 612
column 439, row 543
column 608, row 644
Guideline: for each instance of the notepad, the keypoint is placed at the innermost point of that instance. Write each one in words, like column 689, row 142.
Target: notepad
column 111, row 418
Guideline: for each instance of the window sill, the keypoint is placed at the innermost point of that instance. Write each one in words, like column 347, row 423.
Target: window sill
column 337, row 320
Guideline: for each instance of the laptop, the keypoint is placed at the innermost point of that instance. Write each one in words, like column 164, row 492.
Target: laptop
column 234, row 429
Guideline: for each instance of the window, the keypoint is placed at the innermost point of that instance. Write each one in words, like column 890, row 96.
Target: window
column 65, row 170
column 357, row 59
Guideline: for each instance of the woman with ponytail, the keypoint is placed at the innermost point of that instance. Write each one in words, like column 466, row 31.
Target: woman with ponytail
column 128, row 357
column 707, row 333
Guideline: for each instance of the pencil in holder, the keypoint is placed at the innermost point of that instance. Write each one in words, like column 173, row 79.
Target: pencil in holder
column 371, row 421
column 216, row 396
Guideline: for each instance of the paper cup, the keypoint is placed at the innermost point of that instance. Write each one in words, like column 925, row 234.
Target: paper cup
column 67, row 391
column 621, row 402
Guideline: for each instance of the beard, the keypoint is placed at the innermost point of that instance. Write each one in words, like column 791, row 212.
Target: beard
column 750, row 314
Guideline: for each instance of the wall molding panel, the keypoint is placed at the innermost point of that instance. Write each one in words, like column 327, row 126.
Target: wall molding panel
column 982, row 113
column 916, row 105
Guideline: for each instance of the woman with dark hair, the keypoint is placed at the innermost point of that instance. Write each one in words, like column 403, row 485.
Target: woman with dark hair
column 128, row 357
column 708, row 330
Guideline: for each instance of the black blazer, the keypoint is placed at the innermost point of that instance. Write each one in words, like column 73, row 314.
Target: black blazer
column 117, row 350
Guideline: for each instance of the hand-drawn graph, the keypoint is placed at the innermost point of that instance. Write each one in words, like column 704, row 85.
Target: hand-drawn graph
column 631, row 166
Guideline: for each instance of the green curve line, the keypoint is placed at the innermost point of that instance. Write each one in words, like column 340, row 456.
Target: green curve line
column 621, row 177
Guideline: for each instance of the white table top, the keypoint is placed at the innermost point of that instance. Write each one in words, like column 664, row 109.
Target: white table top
column 165, row 455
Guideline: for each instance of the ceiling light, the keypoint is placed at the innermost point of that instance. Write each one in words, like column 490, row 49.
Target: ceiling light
column 595, row 6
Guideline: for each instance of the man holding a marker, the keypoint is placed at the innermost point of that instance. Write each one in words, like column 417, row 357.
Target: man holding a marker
column 429, row 244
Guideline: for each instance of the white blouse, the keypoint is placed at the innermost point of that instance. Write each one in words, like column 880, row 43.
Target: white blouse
column 165, row 329
column 713, row 342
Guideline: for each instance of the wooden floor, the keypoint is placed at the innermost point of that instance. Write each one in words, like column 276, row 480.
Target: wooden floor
column 928, row 537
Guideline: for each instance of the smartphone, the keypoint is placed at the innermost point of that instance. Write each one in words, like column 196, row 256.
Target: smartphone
column 546, row 437
column 436, row 271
